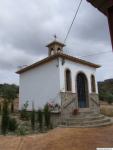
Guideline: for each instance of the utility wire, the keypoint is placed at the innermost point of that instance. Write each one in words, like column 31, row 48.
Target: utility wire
column 100, row 53
column 73, row 21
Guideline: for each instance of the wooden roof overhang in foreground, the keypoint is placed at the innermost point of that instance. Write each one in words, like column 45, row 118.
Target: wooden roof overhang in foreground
column 102, row 5
column 59, row 55
column 106, row 7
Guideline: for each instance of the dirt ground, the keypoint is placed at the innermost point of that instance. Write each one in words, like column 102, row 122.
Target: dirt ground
column 61, row 139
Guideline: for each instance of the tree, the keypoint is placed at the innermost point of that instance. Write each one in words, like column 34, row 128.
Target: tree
column 9, row 93
column 7, row 86
column 5, row 118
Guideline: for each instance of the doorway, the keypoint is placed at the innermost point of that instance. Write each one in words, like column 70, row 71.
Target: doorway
column 82, row 91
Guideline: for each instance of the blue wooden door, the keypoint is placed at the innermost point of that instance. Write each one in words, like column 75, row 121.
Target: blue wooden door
column 82, row 90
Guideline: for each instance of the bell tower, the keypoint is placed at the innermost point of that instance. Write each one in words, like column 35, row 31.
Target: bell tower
column 55, row 47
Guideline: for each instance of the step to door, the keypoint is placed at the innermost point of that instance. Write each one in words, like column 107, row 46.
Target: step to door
column 87, row 126
column 86, row 120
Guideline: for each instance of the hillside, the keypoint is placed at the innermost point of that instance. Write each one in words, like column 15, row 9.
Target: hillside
column 106, row 90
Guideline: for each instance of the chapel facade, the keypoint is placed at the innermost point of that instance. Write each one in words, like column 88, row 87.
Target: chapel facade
column 62, row 79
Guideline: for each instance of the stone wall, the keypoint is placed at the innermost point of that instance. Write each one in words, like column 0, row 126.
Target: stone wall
column 68, row 103
column 94, row 102
column 55, row 119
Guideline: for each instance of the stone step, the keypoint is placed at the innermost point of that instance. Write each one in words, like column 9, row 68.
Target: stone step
column 82, row 115
column 88, row 122
column 88, row 118
column 87, row 126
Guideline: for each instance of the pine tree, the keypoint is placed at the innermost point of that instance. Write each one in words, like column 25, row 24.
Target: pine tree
column 40, row 119
column 33, row 118
column 47, row 116
column 5, row 118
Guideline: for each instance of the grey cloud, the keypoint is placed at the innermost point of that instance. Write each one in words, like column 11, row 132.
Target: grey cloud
column 27, row 26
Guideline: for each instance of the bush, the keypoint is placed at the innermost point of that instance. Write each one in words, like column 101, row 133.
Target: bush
column 22, row 130
column 109, row 98
column 47, row 116
column 40, row 119
column 102, row 96
column 33, row 119
column 12, row 124
column 24, row 115
column 5, row 118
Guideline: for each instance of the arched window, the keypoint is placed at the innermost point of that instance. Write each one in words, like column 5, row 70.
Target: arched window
column 68, row 80
column 93, row 88
column 59, row 49
column 52, row 51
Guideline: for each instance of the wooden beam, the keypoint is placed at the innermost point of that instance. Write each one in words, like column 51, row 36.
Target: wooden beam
column 102, row 5
column 110, row 21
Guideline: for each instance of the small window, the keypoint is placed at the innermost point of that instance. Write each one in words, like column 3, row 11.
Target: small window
column 68, row 80
column 93, row 88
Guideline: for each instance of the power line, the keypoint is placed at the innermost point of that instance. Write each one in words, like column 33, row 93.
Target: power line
column 73, row 21
column 100, row 53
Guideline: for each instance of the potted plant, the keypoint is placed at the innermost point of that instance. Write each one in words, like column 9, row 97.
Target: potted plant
column 75, row 111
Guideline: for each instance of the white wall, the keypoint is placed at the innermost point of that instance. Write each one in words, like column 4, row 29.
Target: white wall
column 44, row 83
column 75, row 68
column 40, row 85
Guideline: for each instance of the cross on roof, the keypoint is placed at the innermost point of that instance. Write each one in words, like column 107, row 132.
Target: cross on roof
column 55, row 37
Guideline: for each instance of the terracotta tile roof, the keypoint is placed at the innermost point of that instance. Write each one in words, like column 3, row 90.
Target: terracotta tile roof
column 59, row 55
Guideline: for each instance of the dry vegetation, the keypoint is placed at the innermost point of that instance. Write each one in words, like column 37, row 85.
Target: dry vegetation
column 107, row 110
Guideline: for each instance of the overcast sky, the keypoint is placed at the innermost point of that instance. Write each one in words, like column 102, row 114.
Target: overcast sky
column 26, row 26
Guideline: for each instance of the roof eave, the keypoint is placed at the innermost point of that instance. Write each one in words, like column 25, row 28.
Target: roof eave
column 55, row 42
column 102, row 5
column 71, row 58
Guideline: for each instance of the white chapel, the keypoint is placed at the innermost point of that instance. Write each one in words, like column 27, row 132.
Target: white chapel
column 61, row 79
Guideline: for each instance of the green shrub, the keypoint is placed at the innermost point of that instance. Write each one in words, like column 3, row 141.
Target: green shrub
column 33, row 119
column 40, row 119
column 102, row 96
column 24, row 115
column 47, row 116
column 5, row 118
column 22, row 130
column 110, row 101
column 109, row 98
column 12, row 124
